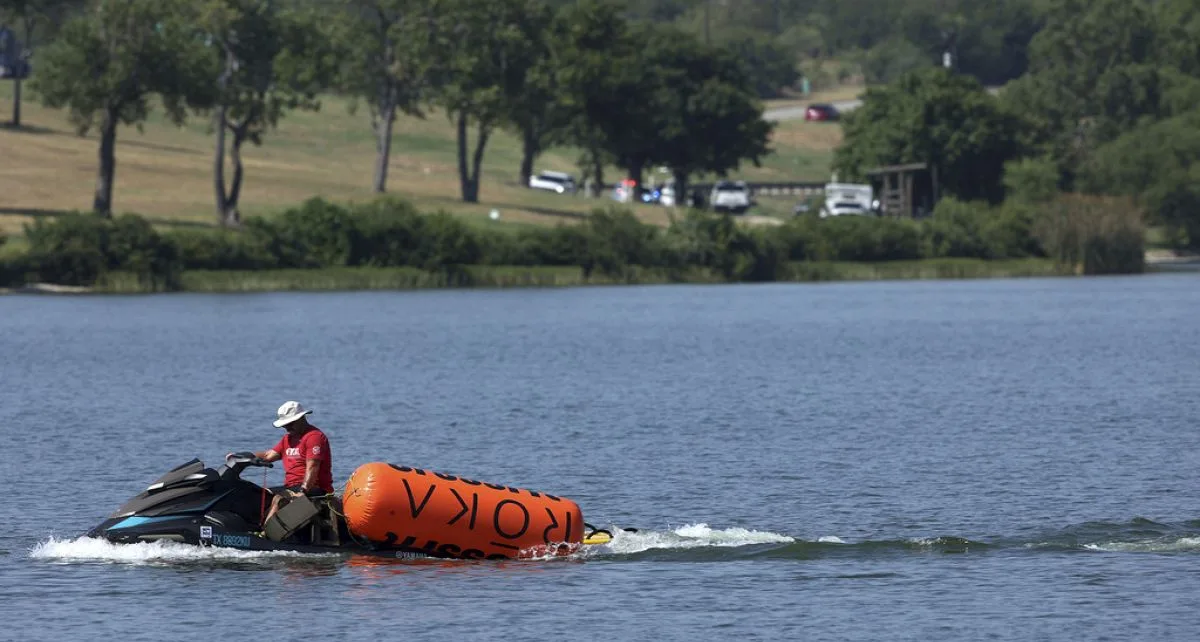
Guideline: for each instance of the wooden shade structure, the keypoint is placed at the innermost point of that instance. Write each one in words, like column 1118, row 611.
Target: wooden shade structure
column 899, row 194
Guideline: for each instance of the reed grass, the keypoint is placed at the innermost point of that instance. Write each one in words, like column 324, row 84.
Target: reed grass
column 923, row 269
column 1094, row 234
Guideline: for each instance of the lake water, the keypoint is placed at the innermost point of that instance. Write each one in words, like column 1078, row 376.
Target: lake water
column 961, row 460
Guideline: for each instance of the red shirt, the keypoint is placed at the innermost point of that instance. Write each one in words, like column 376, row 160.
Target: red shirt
column 297, row 450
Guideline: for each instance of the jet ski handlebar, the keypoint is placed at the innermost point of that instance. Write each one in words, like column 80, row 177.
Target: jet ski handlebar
column 235, row 463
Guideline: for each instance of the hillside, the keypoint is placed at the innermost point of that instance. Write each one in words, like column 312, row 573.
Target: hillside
column 166, row 172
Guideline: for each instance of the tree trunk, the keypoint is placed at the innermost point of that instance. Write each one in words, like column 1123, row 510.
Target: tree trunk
column 635, row 172
column 464, row 180
column 219, row 164
column 16, row 119
column 681, row 189
column 477, row 160
column 233, row 216
column 227, row 200
column 529, row 153
column 598, row 173
column 30, row 21
column 220, row 122
column 468, row 169
column 593, row 171
column 102, row 203
column 384, row 123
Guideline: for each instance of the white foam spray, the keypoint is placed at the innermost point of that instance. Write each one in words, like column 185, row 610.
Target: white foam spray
column 688, row 536
column 1183, row 544
column 87, row 549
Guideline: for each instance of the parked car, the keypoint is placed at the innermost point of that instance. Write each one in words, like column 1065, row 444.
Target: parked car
column 730, row 196
column 820, row 112
column 843, row 199
column 559, row 182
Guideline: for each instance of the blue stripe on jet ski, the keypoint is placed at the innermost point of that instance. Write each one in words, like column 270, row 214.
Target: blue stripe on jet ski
column 130, row 522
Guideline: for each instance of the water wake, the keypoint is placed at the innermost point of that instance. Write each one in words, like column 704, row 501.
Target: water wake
column 691, row 542
column 87, row 549
column 691, row 536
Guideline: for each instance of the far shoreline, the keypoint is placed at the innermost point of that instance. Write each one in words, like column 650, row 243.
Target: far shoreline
column 354, row 279
column 351, row 279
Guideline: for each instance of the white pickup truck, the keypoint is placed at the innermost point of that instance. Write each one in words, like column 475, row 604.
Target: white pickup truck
column 730, row 196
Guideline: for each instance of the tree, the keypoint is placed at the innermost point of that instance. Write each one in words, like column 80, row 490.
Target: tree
column 589, row 46
column 1093, row 73
column 645, row 95
column 108, row 63
column 770, row 65
column 1158, row 164
column 388, row 50
column 633, row 122
column 532, row 108
column 711, row 118
column 487, row 51
column 272, row 60
column 937, row 117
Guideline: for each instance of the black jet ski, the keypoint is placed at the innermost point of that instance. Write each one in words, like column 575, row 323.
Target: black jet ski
column 193, row 504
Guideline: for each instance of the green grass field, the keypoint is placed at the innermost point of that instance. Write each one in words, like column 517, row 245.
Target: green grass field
column 165, row 172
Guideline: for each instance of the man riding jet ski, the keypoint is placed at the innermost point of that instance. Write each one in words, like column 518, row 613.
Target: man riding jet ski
column 193, row 504
column 198, row 505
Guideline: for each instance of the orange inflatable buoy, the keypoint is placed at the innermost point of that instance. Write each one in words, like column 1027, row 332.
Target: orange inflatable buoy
column 444, row 515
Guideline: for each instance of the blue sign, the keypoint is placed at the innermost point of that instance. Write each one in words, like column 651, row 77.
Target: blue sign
column 12, row 61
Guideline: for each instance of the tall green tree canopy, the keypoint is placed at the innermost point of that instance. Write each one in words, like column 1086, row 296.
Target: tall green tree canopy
column 388, row 53
column 1159, row 165
column 709, row 118
column 532, row 107
column 111, row 60
column 937, row 117
column 1093, row 73
column 271, row 59
column 485, row 53
column 589, row 48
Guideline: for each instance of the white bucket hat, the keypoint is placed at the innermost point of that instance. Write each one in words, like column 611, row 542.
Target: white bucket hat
column 290, row 411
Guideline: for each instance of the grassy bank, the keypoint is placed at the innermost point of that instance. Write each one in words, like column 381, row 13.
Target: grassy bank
column 407, row 278
column 390, row 245
column 165, row 172
column 370, row 278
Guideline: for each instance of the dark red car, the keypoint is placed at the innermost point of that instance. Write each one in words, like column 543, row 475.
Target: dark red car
column 820, row 111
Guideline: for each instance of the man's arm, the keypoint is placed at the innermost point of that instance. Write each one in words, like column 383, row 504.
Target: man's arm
column 267, row 455
column 310, row 475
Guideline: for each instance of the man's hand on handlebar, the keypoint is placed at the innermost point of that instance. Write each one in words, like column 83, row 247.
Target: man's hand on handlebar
column 250, row 458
